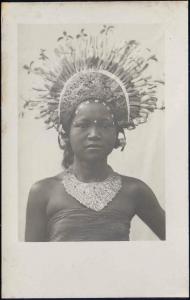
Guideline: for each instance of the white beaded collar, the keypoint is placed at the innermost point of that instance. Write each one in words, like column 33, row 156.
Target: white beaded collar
column 94, row 195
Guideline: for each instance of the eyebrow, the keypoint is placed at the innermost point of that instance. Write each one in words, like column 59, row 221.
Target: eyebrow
column 89, row 119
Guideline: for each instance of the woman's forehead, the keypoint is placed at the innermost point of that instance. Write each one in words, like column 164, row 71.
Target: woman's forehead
column 94, row 110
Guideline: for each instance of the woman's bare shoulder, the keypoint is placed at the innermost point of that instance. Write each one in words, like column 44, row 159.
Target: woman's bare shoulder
column 133, row 183
column 46, row 185
column 41, row 193
column 138, row 189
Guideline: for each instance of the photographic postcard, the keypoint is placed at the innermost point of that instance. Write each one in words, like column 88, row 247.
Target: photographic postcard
column 104, row 263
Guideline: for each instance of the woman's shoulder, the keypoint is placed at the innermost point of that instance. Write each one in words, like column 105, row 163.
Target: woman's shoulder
column 138, row 190
column 136, row 187
column 133, row 183
column 46, row 185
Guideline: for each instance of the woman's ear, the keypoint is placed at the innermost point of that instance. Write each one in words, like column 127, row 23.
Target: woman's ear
column 120, row 140
column 63, row 137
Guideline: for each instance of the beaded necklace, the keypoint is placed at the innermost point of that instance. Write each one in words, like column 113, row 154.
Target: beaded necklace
column 94, row 195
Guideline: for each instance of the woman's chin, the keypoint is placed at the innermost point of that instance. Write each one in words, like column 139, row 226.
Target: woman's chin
column 93, row 155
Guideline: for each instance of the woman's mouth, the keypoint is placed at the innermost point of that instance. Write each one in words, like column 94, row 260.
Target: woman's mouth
column 94, row 146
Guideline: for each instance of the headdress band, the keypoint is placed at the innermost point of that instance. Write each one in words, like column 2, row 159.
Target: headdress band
column 108, row 74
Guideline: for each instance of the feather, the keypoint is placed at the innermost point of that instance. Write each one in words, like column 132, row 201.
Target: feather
column 160, row 81
column 60, row 38
column 153, row 57
column 39, row 90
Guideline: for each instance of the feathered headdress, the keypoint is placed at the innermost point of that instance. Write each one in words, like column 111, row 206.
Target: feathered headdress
column 88, row 67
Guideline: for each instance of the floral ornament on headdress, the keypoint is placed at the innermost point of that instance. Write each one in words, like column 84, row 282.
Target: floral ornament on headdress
column 92, row 67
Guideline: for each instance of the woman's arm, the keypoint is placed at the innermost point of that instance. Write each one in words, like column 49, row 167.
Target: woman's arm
column 36, row 219
column 150, row 211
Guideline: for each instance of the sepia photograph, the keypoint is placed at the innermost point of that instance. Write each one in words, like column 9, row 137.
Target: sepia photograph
column 94, row 149
column 98, row 83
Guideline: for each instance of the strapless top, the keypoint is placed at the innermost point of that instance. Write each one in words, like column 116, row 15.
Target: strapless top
column 83, row 224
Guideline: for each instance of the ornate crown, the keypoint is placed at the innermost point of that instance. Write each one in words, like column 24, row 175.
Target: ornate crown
column 92, row 67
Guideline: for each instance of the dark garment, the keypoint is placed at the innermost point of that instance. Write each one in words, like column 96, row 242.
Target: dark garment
column 83, row 224
column 112, row 223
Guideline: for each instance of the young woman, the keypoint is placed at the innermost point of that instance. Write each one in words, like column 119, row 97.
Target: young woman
column 88, row 201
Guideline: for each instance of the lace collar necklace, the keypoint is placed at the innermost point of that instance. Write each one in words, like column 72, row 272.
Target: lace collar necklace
column 94, row 195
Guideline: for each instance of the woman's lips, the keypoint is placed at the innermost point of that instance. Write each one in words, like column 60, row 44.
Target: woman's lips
column 94, row 146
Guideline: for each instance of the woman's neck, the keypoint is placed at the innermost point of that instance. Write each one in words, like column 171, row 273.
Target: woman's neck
column 88, row 172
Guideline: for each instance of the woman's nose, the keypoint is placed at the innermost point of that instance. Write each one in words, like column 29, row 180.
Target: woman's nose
column 94, row 133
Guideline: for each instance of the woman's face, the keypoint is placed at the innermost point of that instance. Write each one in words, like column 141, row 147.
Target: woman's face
column 92, row 133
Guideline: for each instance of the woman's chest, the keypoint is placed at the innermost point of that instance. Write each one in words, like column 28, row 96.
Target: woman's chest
column 60, row 200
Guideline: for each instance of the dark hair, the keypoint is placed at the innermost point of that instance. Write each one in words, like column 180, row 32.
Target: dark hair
column 68, row 155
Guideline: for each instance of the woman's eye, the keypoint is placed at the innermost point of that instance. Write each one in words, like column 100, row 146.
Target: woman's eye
column 82, row 124
column 107, row 124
